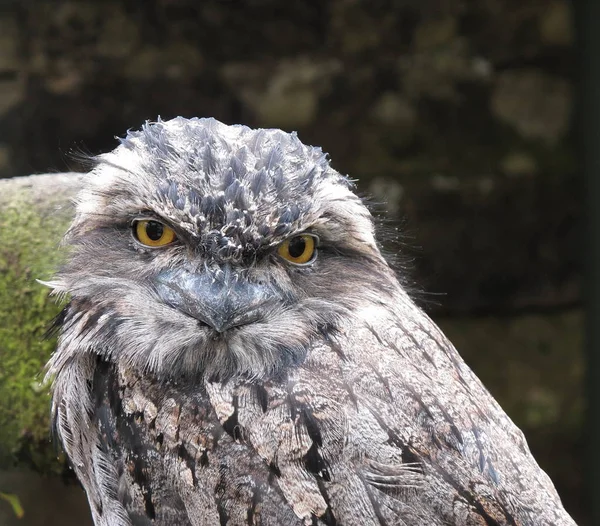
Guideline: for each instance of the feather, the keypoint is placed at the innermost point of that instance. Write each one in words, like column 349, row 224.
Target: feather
column 330, row 399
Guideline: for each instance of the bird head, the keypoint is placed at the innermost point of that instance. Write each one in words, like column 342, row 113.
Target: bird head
column 202, row 248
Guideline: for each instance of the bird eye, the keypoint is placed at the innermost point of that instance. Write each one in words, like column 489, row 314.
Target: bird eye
column 299, row 250
column 153, row 233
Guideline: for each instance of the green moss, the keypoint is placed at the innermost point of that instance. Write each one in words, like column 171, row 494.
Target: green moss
column 29, row 236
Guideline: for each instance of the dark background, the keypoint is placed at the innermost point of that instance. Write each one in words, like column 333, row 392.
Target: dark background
column 458, row 115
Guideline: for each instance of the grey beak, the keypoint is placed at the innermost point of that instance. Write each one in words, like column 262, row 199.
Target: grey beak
column 221, row 298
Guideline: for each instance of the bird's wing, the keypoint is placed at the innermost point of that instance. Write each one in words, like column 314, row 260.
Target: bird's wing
column 385, row 424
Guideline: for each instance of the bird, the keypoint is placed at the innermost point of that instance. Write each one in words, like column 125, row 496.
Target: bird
column 234, row 349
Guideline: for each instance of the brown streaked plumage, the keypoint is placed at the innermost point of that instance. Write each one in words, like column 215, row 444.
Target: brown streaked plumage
column 218, row 379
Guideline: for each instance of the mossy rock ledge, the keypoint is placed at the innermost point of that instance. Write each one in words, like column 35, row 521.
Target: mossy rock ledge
column 34, row 213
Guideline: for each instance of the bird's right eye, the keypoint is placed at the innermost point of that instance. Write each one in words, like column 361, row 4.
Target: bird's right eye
column 153, row 233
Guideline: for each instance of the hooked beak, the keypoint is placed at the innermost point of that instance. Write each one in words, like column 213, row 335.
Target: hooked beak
column 221, row 298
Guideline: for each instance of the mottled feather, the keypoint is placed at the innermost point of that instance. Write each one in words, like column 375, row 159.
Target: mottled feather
column 334, row 401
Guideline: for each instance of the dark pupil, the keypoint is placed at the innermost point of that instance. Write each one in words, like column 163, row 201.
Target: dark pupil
column 297, row 247
column 154, row 230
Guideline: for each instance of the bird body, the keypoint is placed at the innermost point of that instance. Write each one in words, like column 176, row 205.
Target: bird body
column 237, row 351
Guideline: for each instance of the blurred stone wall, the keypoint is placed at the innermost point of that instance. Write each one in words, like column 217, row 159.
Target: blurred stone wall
column 455, row 116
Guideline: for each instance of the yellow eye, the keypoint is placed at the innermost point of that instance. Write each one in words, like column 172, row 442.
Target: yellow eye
column 153, row 233
column 298, row 249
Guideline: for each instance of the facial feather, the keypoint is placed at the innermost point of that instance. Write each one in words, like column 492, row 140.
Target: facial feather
column 232, row 195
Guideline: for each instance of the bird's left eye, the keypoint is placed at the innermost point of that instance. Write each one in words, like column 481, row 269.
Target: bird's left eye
column 299, row 250
column 153, row 233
